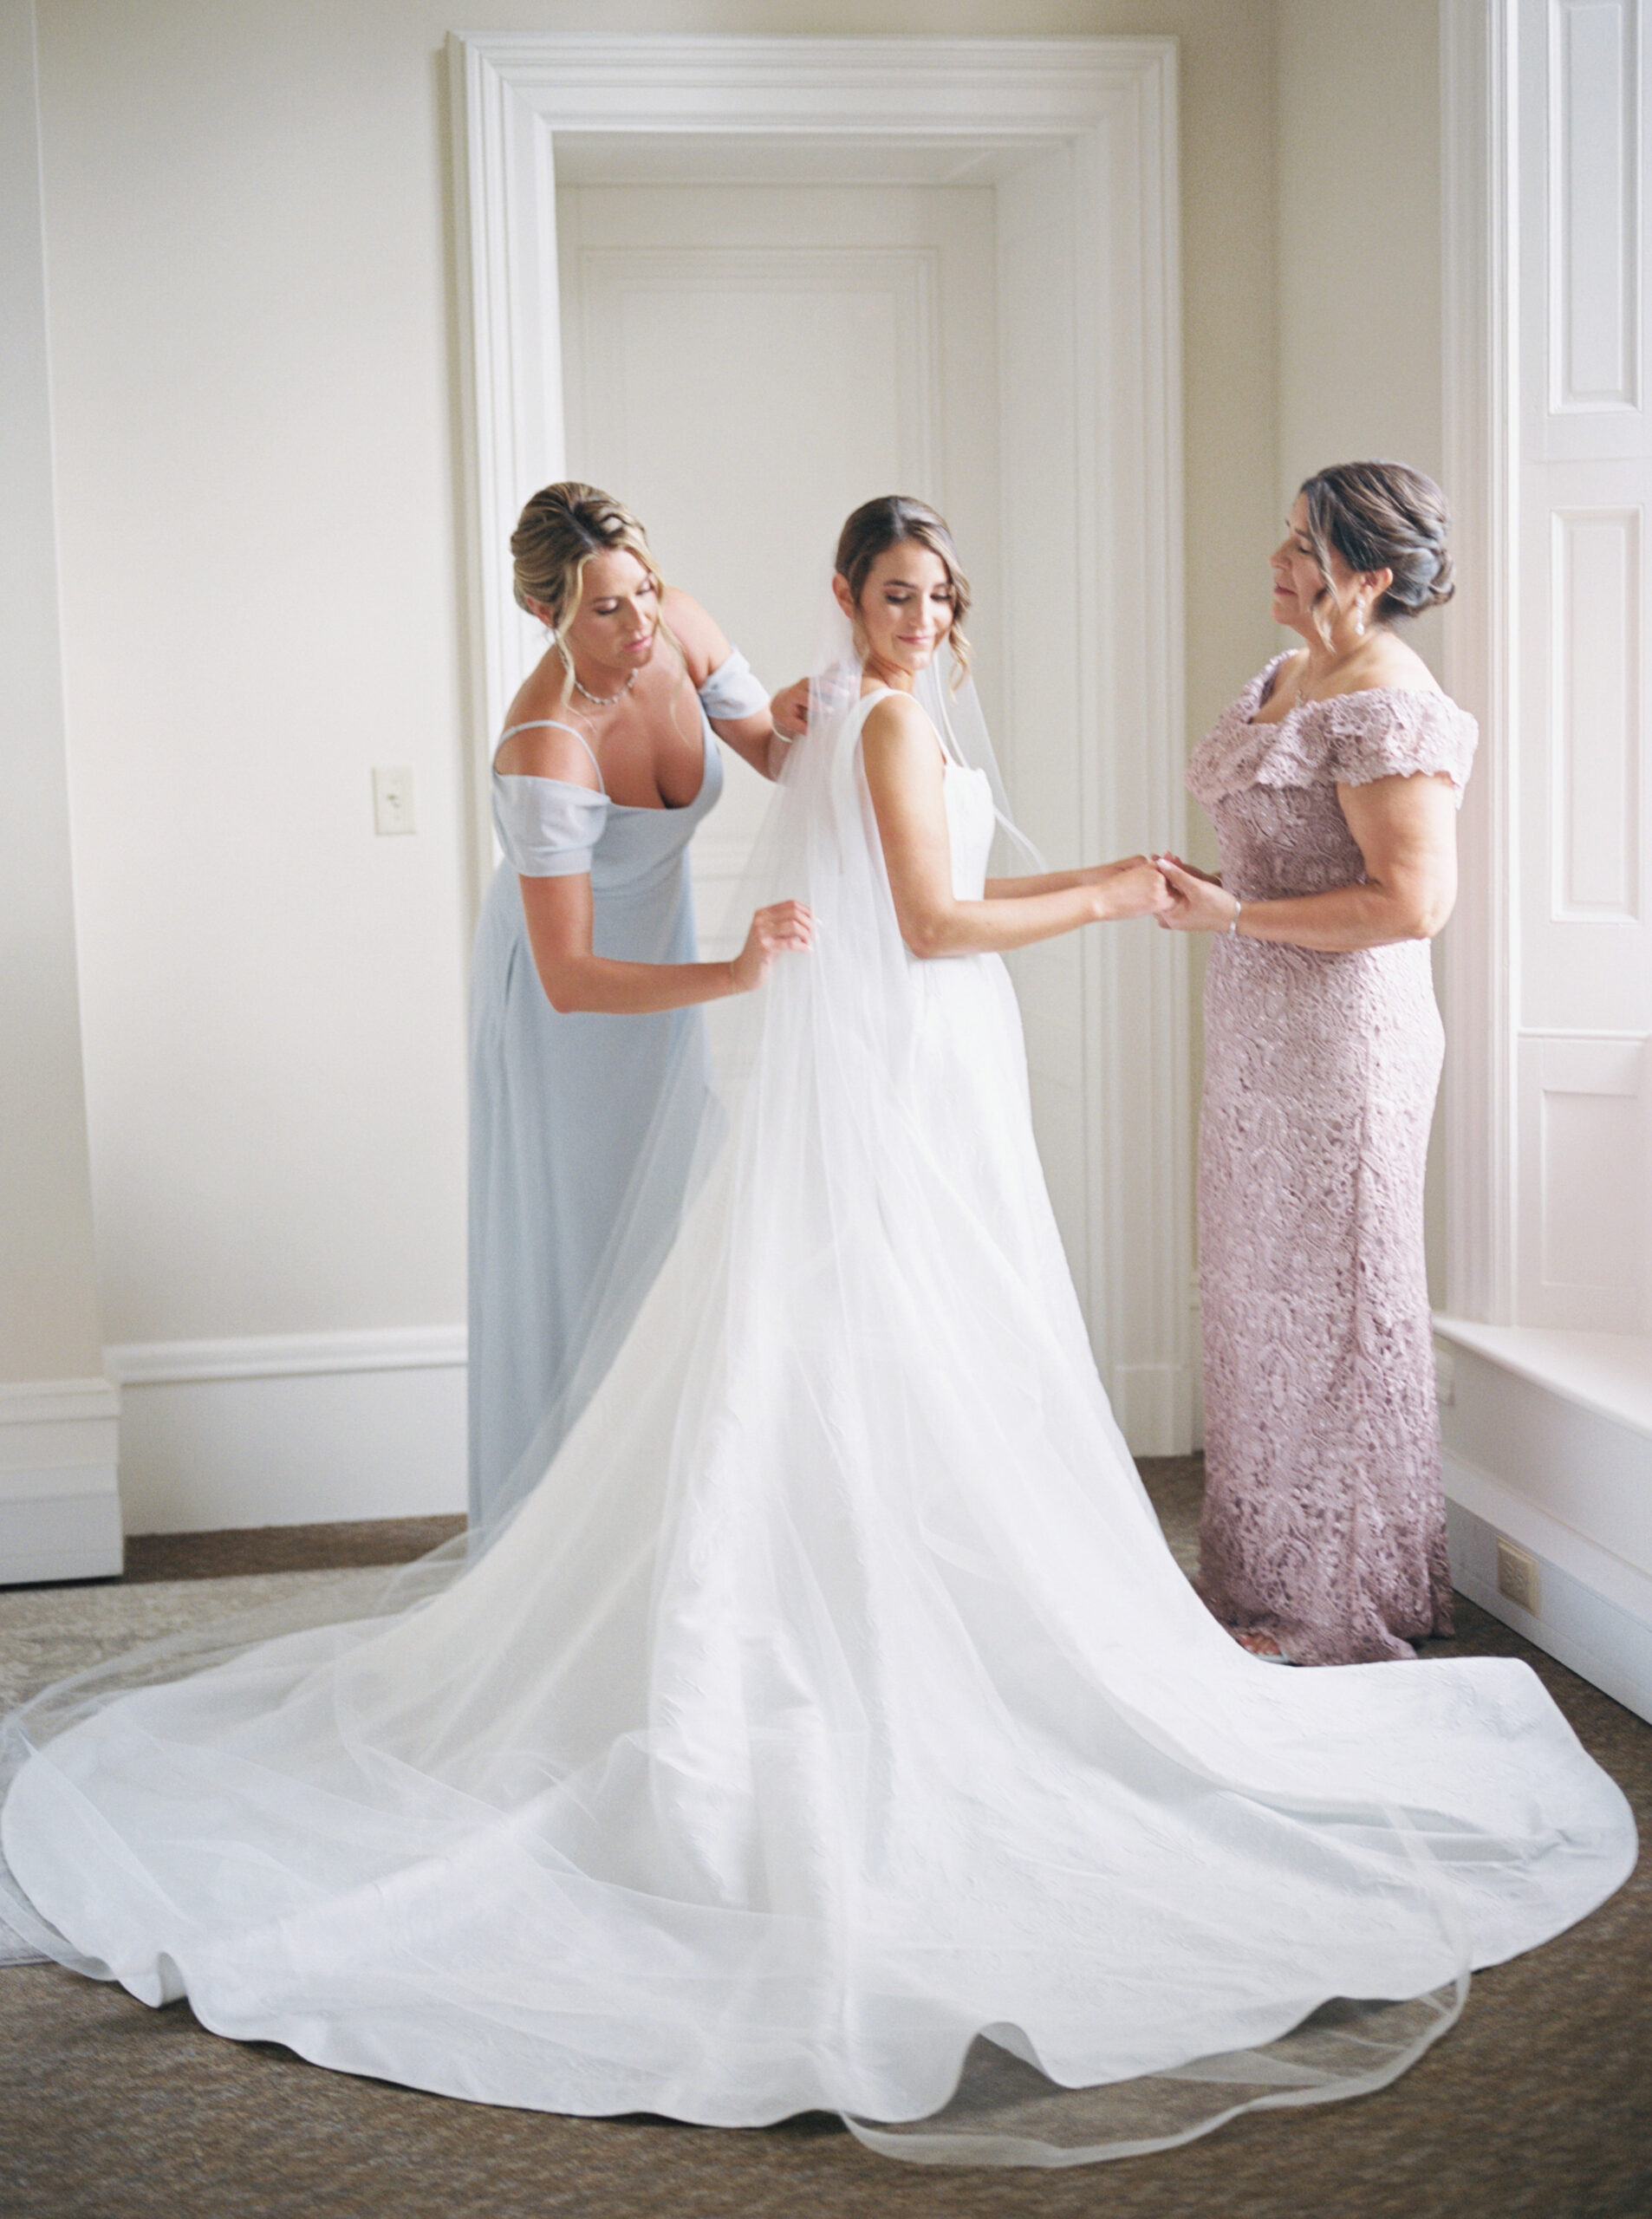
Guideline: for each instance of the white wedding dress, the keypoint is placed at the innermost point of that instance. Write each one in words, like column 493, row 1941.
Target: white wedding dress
column 833, row 1700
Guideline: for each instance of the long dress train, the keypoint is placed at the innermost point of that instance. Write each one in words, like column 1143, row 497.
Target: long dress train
column 834, row 1701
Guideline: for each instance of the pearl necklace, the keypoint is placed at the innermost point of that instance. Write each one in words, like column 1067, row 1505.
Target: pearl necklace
column 604, row 700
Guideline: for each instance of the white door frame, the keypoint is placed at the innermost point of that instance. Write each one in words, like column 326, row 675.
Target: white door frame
column 1112, row 103
column 1482, row 948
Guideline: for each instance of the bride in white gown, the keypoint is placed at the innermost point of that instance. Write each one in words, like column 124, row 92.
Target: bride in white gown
column 830, row 1722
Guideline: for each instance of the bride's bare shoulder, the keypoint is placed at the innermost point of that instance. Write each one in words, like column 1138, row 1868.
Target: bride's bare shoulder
column 900, row 755
column 897, row 721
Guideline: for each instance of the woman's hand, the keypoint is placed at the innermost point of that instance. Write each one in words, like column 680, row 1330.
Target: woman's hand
column 789, row 710
column 1196, row 903
column 782, row 926
column 1210, row 877
column 1133, row 887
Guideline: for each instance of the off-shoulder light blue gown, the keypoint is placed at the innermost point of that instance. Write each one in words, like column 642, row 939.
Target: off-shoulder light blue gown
column 560, row 1105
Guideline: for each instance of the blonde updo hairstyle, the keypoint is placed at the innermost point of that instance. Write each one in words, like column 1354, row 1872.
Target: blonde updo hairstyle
column 1381, row 516
column 557, row 533
column 897, row 520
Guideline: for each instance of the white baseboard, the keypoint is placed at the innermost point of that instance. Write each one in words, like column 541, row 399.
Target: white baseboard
column 292, row 1429
column 1513, row 1513
column 1548, row 1443
column 1595, row 1611
column 60, row 1504
column 287, row 1355
column 1153, row 1404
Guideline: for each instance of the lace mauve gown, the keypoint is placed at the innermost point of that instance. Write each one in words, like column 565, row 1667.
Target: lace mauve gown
column 1324, row 1523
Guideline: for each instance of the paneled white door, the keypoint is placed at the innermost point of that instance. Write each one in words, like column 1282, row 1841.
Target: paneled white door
column 742, row 364
column 1584, row 1074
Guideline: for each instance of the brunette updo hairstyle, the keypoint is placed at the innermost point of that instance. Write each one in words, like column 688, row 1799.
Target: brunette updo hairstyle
column 1383, row 516
column 557, row 533
column 897, row 520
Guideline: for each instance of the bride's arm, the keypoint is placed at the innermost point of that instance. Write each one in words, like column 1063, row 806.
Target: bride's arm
column 904, row 774
column 1057, row 882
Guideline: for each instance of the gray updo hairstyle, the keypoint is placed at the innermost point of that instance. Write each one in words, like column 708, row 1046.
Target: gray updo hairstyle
column 1383, row 516
column 899, row 520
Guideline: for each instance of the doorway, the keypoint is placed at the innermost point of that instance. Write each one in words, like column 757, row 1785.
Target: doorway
column 780, row 274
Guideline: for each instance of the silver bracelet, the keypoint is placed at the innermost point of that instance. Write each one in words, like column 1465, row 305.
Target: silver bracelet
column 1232, row 922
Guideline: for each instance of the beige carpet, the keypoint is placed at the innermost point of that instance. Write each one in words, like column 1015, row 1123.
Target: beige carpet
column 1539, row 2103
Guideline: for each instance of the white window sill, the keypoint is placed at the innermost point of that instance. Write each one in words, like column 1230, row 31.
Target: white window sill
column 1608, row 1373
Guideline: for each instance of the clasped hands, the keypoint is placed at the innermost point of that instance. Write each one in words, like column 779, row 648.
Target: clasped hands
column 1195, row 903
column 1163, row 886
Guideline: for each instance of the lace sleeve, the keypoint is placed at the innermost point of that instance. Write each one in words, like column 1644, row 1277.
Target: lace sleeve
column 1397, row 733
column 547, row 827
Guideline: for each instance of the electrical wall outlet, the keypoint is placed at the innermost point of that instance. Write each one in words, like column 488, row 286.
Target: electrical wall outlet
column 1517, row 1576
column 393, row 800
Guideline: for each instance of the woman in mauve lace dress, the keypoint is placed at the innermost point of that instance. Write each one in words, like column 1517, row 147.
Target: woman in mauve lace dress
column 1333, row 783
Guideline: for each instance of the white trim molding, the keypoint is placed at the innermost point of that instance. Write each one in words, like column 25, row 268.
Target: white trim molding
column 60, row 1504
column 1547, row 1440
column 291, row 1428
column 1595, row 1613
column 1081, row 137
column 1482, row 948
column 285, row 1356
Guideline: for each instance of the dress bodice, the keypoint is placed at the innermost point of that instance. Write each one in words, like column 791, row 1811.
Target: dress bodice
column 550, row 828
column 972, row 814
column 554, row 828
column 1270, row 789
column 971, row 822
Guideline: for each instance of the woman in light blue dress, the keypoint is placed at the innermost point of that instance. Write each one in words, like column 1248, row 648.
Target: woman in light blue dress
column 584, row 1027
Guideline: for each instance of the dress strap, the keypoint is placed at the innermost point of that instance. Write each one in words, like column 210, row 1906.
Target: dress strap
column 944, row 740
column 553, row 724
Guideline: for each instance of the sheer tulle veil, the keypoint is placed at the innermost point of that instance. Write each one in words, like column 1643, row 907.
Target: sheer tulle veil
column 824, row 1672
column 818, row 844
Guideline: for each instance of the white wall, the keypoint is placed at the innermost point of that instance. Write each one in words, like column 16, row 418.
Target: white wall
column 1356, row 145
column 247, row 216
column 57, row 1503
column 48, row 1323
column 250, row 380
